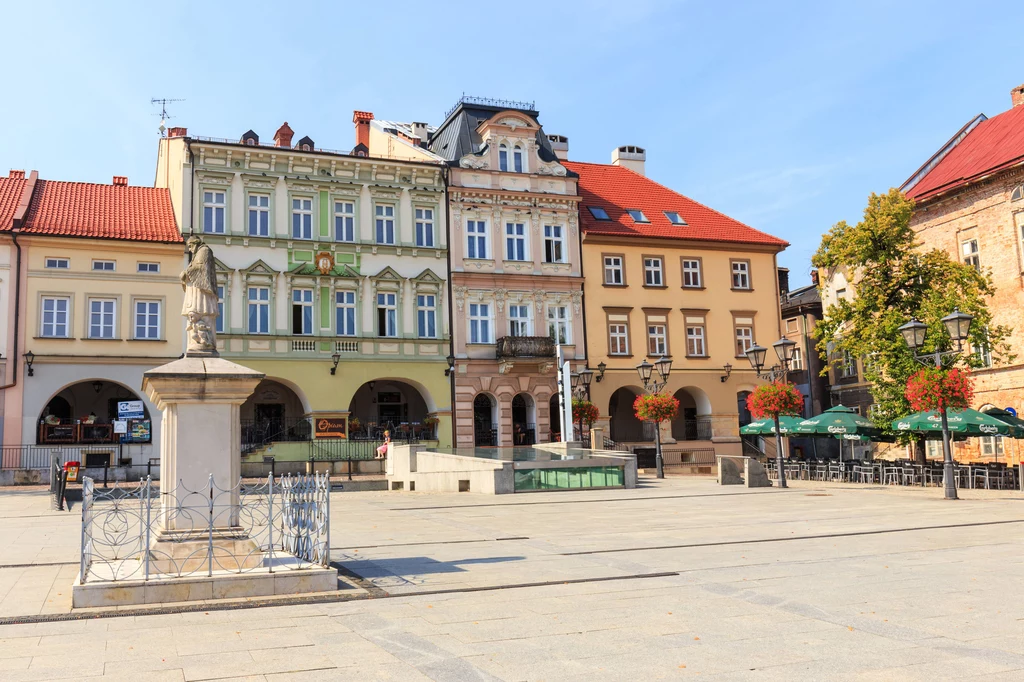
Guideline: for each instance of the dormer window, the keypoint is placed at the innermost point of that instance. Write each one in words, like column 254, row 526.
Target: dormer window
column 637, row 215
column 598, row 213
column 306, row 148
column 674, row 218
column 517, row 158
column 503, row 158
column 251, row 142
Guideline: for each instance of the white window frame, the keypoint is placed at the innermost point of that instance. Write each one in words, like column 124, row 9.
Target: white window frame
column 654, row 269
column 107, row 324
column 970, row 252
column 302, row 218
column 991, row 446
column 520, row 324
column 424, row 227
column 691, row 272
column 618, row 338
column 150, row 331
column 503, row 157
column 740, row 274
column 554, row 244
column 101, row 266
column 847, row 365
column 657, row 339
column 696, row 344
column 384, row 224
column 560, row 324
column 614, row 270
column 344, row 221
column 51, row 329
column 215, row 206
column 476, row 239
column 221, row 308
column 387, row 301
column 302, row 297
column 743, row 335
column 345, row 313
column 426, row 316
column 516, row 248
column 259, row 210
column 797, row 363
column 260, row 305
column 518, row 159
column 480, row 323
column 148, row 268
column 57, row 263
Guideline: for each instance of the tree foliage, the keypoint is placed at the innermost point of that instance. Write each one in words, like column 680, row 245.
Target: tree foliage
column 895, row 279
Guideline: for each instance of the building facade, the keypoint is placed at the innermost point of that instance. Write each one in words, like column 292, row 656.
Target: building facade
column 516, row 277
column 99, row 304
column 667, row 276
column 332, row 277
column 969, row 202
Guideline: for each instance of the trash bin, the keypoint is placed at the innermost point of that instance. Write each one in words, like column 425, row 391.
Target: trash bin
column 71, row 470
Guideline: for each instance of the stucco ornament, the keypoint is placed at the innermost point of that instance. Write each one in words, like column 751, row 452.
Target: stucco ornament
column 473, row 161
column 199, row 280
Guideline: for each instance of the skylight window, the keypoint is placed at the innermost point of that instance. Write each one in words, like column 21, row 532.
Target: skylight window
column 598, row 213
column 637, row 215
column 674, row 218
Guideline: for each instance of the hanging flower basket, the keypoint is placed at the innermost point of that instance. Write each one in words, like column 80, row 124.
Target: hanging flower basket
column 584, row 411
column 777, row 398
column 657, row 407
column 937, row 389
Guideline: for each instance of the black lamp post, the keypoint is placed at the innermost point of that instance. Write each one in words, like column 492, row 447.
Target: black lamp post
column 756, row 355
column 335, row 358
column 645, row 369
column 29, row 359
column 958, row 326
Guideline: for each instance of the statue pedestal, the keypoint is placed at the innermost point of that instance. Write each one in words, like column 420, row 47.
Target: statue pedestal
column 200, row 399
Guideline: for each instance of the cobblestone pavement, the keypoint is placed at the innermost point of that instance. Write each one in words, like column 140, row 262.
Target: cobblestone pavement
column 680, row 578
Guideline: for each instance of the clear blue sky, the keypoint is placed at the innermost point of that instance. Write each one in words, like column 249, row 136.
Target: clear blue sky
column 784, row 116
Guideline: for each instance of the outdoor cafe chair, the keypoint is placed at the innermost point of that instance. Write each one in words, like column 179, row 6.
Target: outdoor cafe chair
column 891, row 475
column 836, row 471
column 933, row 474
column 910, row 474
column 864, row 473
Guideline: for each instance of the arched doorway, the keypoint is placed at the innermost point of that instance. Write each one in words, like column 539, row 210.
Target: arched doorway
column 524, row 420
column 741, row 406
column 392, row 405
column 691, row 423
column 624, row 427
column 274, row 413
column 94, row 412
column 485, row 421
column 555, row 419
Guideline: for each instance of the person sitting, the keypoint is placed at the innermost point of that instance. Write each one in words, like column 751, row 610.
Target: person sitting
column 382, row 450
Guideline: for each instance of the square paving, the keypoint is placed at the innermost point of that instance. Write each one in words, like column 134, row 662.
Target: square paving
column 678, row 578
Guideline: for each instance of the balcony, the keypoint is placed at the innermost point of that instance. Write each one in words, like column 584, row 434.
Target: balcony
column 525, row 347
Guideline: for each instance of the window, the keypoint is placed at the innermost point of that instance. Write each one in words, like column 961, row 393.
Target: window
column 637, row 215
column 618, row 339
column 970, row 251
column 259, row 310
column 149, row 267
column 477, row 235
column 385, row 224
column 502, row 157
column 744, row 339
column 657, row 340
column 691, row 273
column 426, row 316
column 519, row 320
column 841, row 294
column 103, row 265
column 517, row 158
column 613, row 270
column 480, row 323
column 58, row 263
column 797, row 363
column 302, row 218
column 387, row 315
column 554, row 245
column 695, row 341
column 558, row 323
column 259, row 215
column 991, row 446
column 674, row 218
column 598, row 213
column 740, row 274
column 791, row 325
column 344, row 221
column 424, row 227
column 302, row 311
column 933, row 449
column 220, row 308
column 847, row 365
column 345, row 313
column 984, row 352
column 101, row 318
column 147, row 319
column 515, row 241
column 55, row 317
column 652, row 272
column 213, row 212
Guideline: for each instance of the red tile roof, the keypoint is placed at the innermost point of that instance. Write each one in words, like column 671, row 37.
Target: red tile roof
column 81, row 209
column 11, row 189
column 615, row 189
column 993, row 145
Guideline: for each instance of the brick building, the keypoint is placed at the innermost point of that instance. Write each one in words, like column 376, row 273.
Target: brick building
column 970, row 203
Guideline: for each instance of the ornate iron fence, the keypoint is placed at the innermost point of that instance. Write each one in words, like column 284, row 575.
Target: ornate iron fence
column 141, row 533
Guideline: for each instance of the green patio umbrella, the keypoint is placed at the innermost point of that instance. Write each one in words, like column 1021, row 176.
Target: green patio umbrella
column 837, row 421
column 967, row 422
column 1016, row 424
column 766, row 427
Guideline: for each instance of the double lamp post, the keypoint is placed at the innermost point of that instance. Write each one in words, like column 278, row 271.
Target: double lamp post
column 652, row 385
column 756, row 355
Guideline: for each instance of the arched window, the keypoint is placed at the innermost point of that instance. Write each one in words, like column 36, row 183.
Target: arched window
column 502, row 157
column 517, row 158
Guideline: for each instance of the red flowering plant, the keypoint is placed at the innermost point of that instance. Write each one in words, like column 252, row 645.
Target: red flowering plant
column 935, row 389
column 584, row 412
column 656, row 407
column 768, row 401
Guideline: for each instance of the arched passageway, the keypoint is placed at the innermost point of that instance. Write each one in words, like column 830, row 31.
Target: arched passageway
column 273, row 413
column 524, row 420
column 485, row 420
column 624, row 427
column 392, row 405
column 94, row 412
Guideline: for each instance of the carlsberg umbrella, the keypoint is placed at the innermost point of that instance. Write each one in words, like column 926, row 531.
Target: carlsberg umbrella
column 766, row 427
column 966, row 422
column 837, row 421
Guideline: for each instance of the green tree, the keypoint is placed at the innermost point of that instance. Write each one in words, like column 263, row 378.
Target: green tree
column 895, row 279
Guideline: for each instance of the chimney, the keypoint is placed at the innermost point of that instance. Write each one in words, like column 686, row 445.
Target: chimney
column 121, row 180
column 783, row 281
column 814, row 277
column 631, row 157
column 283, row 136
column 177, row 132
column 420, row 130
column 1017, row 96
column 362, row 120
column 16, row 174
column 560, row 145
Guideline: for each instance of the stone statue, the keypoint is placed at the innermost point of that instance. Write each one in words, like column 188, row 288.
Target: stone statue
column 199, row 280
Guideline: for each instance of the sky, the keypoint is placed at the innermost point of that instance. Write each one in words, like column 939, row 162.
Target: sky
column 785, row 116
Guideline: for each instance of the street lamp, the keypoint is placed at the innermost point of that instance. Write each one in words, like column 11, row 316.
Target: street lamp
column 756, row 355
column 645, row 370
column 958, row 326
column 29, row 359
column 335, row 358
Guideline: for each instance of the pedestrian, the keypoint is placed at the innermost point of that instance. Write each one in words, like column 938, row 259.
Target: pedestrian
column 382, row 450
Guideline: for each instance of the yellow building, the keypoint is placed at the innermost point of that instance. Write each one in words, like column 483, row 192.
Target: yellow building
column 666, row 276
column 99, row 304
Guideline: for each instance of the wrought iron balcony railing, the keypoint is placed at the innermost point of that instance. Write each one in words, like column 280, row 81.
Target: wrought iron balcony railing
column 525, row 347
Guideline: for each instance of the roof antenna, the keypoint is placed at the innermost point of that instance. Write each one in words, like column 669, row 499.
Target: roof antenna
column 163, row 102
